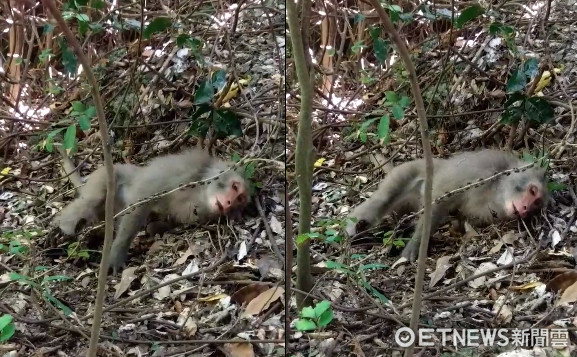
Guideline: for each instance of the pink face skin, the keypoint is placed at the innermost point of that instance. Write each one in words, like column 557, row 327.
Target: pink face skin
column 225, row 201
column 531, row 200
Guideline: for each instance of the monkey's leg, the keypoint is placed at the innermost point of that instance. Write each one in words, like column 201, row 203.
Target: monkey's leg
column 127, row 229
column 411, row 251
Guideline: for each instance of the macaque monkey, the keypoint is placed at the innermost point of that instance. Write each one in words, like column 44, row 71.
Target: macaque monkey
column 227, row 194
column 508, row 196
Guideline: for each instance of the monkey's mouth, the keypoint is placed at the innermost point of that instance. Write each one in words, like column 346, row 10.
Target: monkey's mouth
column 219, row 206
column 521, row 213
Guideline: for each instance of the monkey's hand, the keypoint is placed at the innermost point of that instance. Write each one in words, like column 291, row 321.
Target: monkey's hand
column 411, row 251
column 353, row 228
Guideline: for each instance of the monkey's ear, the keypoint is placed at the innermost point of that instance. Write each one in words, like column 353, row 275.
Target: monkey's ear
column 418, row 185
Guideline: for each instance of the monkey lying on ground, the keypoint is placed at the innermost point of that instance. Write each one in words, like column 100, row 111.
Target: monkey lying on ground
column 509, row 196
column 227, row 194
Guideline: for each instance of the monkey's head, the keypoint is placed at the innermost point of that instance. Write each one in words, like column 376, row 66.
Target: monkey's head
column 525, row 192
column 227, row 194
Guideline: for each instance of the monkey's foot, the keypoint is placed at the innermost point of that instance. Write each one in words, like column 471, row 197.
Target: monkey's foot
column 411, row 251
column 117, row 260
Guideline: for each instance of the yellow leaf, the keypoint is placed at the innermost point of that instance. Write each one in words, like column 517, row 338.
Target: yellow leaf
column 527, row 286
column 213, row 297
column 231, row 93
column 319, row 162
column 543, row 82
column 6, row 170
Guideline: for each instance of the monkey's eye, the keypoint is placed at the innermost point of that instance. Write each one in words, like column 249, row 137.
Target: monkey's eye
column 533, row 190
column 235, row 186
column 220, row 185
column 519, row 188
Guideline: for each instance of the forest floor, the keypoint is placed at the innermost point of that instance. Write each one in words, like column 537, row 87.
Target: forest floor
column 48, row 283
column 369, row 286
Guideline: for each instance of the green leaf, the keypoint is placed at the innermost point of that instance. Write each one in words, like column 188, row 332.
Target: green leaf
column 7, row 328
column 531, row 67
column 95, row 28
column 78, row 106
column 325, row 318
column 469, row 14
column 21, row 279
column 204, row 93
column 392, row 97
column 337, row 266
column 227, row 123
column 70, row 137
column 372, row 266
column 381, row 49
column 357, row 47
column 398, row 112
column 45, row 55
column 219, row 79
column 65, row 309
column 305, row 325
column 308, row 313
column 516, row 82
column 321, row 307
column 383, row 129
column 69, row 61
column 334, row 239
column 514, row 98
column 5, row 320
column 511, row 115
column 57, row 278
column 538, row 110
column 404, row 102
column 48, row 144
column 331, row 232
column 82, row 17
column 375, row 292
column 553, row 186
column 301, row 238
column 358, row 18
column 194, row 44
column 97, row 4
column 157, row 25
column 84, row 122
column 249, row 170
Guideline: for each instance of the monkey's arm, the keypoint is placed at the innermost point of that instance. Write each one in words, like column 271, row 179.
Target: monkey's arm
column 439, row 214
column 128, row 227
column 402, row 185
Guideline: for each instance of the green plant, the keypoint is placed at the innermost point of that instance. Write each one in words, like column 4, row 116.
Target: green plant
column 43, row 285
column 74, row 251
column 521, row 106
column 390, row 239
column 82, row 115
column 313, row 318
column 6, row 328
column 12, row 241
column 396, row 105
column 358, row 275
column 222, row 121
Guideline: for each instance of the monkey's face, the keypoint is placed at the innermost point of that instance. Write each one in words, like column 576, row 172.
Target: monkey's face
column 526, row 194
column 227, row 194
